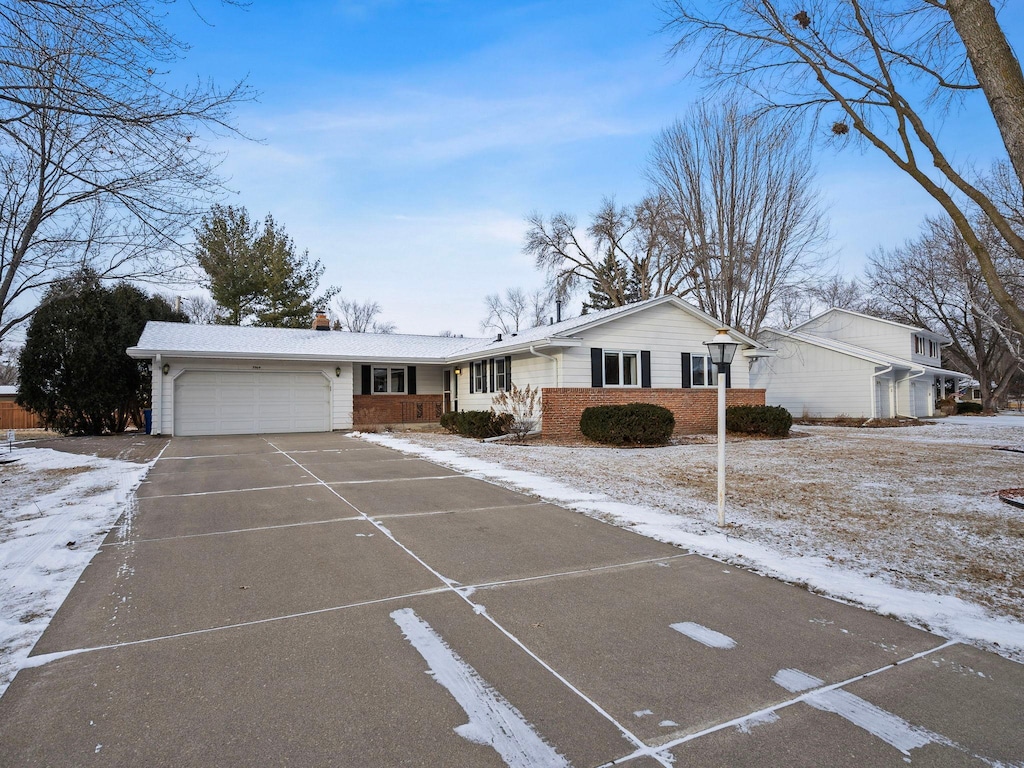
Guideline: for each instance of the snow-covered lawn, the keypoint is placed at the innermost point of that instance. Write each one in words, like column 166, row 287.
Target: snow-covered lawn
column 904, row 521
column 55, row 510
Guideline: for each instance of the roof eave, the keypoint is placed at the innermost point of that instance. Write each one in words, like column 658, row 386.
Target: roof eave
column 712, row 322
column 481, row 352
column 148, row 354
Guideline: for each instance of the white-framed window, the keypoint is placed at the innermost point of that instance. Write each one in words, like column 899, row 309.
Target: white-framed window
column 500, row 374
column 919, row 345
column 621, row 369
column 933, row 348
column 389, row 381
column 703, row 373
column 479, row 376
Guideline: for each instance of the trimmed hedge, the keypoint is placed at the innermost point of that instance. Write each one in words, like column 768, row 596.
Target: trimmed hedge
column 968, row 408
column 478, row 424
column 633, row 424
column 770, row 420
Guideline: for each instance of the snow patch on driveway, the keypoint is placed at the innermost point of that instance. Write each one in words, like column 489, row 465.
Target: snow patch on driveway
column 493, row 721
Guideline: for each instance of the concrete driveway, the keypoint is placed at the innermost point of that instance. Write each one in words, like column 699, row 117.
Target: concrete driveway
column 315, row 600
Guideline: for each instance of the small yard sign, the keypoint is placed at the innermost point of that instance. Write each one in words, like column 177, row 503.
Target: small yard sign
column 10, row 439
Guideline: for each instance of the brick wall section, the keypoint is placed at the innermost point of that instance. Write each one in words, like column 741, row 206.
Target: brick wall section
column 695, row 410
column 372, row 410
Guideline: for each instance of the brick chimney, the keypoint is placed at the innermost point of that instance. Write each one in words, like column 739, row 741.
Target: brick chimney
column 321, row 323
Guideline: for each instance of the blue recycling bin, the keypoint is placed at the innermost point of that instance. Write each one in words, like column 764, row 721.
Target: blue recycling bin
column 147, row 416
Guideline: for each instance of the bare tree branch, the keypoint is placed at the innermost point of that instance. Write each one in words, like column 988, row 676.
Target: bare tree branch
column 887, row 70
column 743, row 209
column 104, row 163
column 359, row 317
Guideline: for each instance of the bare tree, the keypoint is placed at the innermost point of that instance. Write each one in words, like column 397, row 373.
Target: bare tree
column 8, row 364
column 743, row 210
column 934, row 282
column 360, row 317
column 835, row 291
column 201, row 310
column 103, row 162
column 506, row 313
column 889, row 71
column 798, row 302
column 540, row 306
column 635, row 235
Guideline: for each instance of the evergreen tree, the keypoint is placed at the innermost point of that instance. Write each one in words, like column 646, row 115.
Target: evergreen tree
column 225, row 250
column 74, row 370
column 612, row 288
column 254, row 273
column 289, row 280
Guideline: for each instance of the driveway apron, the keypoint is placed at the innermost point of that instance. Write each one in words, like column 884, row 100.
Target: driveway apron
column 317, row 600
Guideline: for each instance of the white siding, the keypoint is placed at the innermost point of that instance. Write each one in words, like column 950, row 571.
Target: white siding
column 527, row 370
column 871, row 333
column 665, row 331
column 862, row 332
column 341, row 386
column 807, row 379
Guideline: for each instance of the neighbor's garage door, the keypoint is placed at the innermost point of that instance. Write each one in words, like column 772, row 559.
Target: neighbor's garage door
column 245, row 403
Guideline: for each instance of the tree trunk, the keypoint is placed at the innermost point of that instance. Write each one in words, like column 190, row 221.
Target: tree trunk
column 997, row 69
column 988, row 396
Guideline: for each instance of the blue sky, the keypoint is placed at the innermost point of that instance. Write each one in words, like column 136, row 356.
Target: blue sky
column 403, row 142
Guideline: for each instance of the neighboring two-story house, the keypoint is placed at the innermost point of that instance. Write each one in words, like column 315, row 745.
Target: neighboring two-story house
column 843, row 363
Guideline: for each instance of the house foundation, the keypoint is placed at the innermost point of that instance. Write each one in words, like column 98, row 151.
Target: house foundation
column 695, row 410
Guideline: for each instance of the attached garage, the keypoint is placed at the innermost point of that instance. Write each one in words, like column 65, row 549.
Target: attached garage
column 251, row 402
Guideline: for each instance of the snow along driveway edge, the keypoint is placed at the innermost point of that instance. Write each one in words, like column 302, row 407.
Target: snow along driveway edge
column 39, row 564
column 945, row 615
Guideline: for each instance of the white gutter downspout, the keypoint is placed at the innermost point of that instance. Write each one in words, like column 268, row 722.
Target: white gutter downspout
column 158, row 406
column 874, row 390
column 558, row 373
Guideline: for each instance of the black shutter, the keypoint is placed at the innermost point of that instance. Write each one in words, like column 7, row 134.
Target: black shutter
column 472, row 377
column 728, row 376
column 491, row 379
column 367, row 380
column 508, row 372
column 596, row 367
column 411, row 380
column 687, row 371
column 645, row 368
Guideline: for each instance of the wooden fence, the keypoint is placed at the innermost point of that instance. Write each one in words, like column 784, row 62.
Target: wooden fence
column 13, row 416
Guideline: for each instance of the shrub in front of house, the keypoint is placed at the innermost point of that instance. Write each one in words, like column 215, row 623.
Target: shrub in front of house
column 769, row 420
column 478, row 424
column 633, row 424
column 968, row 408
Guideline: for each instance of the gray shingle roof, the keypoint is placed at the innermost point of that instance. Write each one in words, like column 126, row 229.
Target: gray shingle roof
column 188, row 340
column 297, row 344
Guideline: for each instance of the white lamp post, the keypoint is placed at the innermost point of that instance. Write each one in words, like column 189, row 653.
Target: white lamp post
column 722, row 349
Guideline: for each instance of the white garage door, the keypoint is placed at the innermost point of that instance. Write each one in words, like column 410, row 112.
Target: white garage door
column 247, row 403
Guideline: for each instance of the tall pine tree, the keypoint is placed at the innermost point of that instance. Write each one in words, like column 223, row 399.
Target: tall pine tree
column 255, row 274
column 224, row 249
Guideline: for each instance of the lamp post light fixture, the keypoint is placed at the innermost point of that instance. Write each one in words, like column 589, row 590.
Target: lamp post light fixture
column 721, row 349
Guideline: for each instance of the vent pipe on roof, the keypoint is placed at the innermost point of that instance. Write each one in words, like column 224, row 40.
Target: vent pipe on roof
column 558, row 310
column 499, row 337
